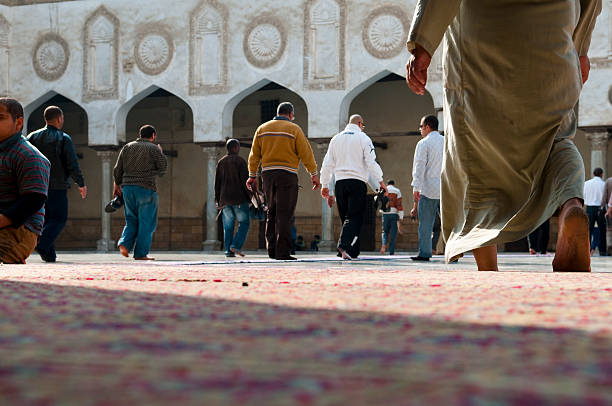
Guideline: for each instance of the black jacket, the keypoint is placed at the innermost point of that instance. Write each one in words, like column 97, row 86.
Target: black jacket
column 57, row 147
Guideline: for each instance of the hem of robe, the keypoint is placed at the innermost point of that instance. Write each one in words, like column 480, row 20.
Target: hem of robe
column 457, row 246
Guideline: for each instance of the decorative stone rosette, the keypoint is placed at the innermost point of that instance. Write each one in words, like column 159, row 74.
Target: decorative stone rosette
column 154, row 51
column 51, row 56
column 265, row 41
column 385, row 32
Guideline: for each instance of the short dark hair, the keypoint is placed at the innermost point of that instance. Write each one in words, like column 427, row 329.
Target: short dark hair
column 284, row 109
column 147, row 131
column 598, row 172
column 52, row 112
column 231, row 144
column 432, row 122
column 13, row 107
column 390, row 182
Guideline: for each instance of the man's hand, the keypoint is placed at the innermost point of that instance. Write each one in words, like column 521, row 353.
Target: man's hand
column 325, row 193
column 585, row 67
column 251, row 184
column 383, row 187
column 117, row 190
column 330, row 201
column 315, row 182
column 399, row 227
column 417, row 196
column 413, row 213
column 416, row 70
column 83, row 192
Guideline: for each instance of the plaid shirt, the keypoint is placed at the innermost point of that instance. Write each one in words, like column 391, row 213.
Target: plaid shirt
column 138, row 164
column 23, row 169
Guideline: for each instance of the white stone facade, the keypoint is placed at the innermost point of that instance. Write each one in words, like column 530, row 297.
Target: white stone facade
column 107, row 56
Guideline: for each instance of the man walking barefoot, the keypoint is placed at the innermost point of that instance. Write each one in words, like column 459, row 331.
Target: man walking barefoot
column 510, row 161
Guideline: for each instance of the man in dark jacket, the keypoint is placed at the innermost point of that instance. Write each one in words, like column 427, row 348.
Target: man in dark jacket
column 57, row 147
column 232, row 197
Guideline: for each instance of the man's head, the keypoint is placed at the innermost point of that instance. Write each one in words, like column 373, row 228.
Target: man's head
column 233, row 146
column 390, row 182
column 54, row 116
column 428, row 124
column 598, row 172
column 147, row 132
column 285, row 109
column 11, row 118
column 357, row 120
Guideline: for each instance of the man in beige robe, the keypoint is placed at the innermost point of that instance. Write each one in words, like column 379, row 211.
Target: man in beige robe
column 512, row 77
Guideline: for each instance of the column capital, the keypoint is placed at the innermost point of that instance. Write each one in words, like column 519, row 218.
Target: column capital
column 106, row 154
column 599, row 139
column 322, row 144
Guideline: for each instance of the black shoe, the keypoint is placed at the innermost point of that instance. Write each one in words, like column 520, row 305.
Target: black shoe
column 417, row 258
column 46, row 257
column 287, row 258
column 230, row 255
column 114, row 204
column 272, row 254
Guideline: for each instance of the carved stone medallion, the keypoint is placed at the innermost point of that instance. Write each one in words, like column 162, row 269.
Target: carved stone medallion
column 264, row 42
column 51, row 56
column 385, row 32
column 154, row 51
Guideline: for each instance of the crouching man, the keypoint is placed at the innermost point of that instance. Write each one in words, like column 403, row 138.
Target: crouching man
column 24, row 184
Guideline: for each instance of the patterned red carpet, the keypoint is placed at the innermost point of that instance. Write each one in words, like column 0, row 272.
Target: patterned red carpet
column 304, row 334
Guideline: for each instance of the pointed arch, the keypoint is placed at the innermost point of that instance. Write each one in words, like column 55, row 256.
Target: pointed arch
column 230, row 105
column 101, row 56
column 122, row 113
column 354, row 92
column 76, row 116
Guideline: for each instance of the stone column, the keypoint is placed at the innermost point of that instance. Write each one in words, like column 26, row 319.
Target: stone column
column 211, row 243
column 327, row 214
column 105, row 243
column 599, row 150
column 440, row 116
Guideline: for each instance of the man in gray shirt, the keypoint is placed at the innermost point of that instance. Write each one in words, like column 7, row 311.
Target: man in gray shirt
column 138, row 164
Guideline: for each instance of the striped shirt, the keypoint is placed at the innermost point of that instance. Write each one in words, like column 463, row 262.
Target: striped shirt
column 138, row 164
column 23, row 169
column 427, row 165
column 281, row 144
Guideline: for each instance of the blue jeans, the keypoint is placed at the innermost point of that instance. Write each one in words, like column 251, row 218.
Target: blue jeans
column 389, row 231
column 230, row 214
column 428, row 209
column 140, row 207
column 56, row 214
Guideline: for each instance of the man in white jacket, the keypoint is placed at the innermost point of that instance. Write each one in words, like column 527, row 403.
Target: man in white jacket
column 351, row 160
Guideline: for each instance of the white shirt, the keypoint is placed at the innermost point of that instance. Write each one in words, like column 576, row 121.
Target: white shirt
column 593, row 191
column 392, row 190
column 350, row 155
column 427, row 165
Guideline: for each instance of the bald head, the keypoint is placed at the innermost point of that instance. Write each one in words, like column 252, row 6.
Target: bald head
column 356, row 119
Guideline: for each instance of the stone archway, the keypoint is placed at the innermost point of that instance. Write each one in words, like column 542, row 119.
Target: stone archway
column 182, row 190
column 256, row 106
column 391, row 113
column 82, row 228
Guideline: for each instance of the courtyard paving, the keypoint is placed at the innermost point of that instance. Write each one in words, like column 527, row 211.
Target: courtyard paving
column 199, row 329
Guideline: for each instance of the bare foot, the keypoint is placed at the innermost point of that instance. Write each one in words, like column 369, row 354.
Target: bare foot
column 237, row 252
column 124, row 251
column 383, row 249
column 532, row 251
column 572, row 253
column 144, row 259
column 486, row 258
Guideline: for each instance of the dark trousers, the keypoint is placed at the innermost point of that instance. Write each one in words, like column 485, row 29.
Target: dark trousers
column 351, row 201
column 598, row 239
column 281, row 190
column 538, row 239
column 437, row 228
column 56, row 214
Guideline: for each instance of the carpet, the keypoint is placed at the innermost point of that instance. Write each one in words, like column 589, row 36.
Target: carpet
column 309, row 334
